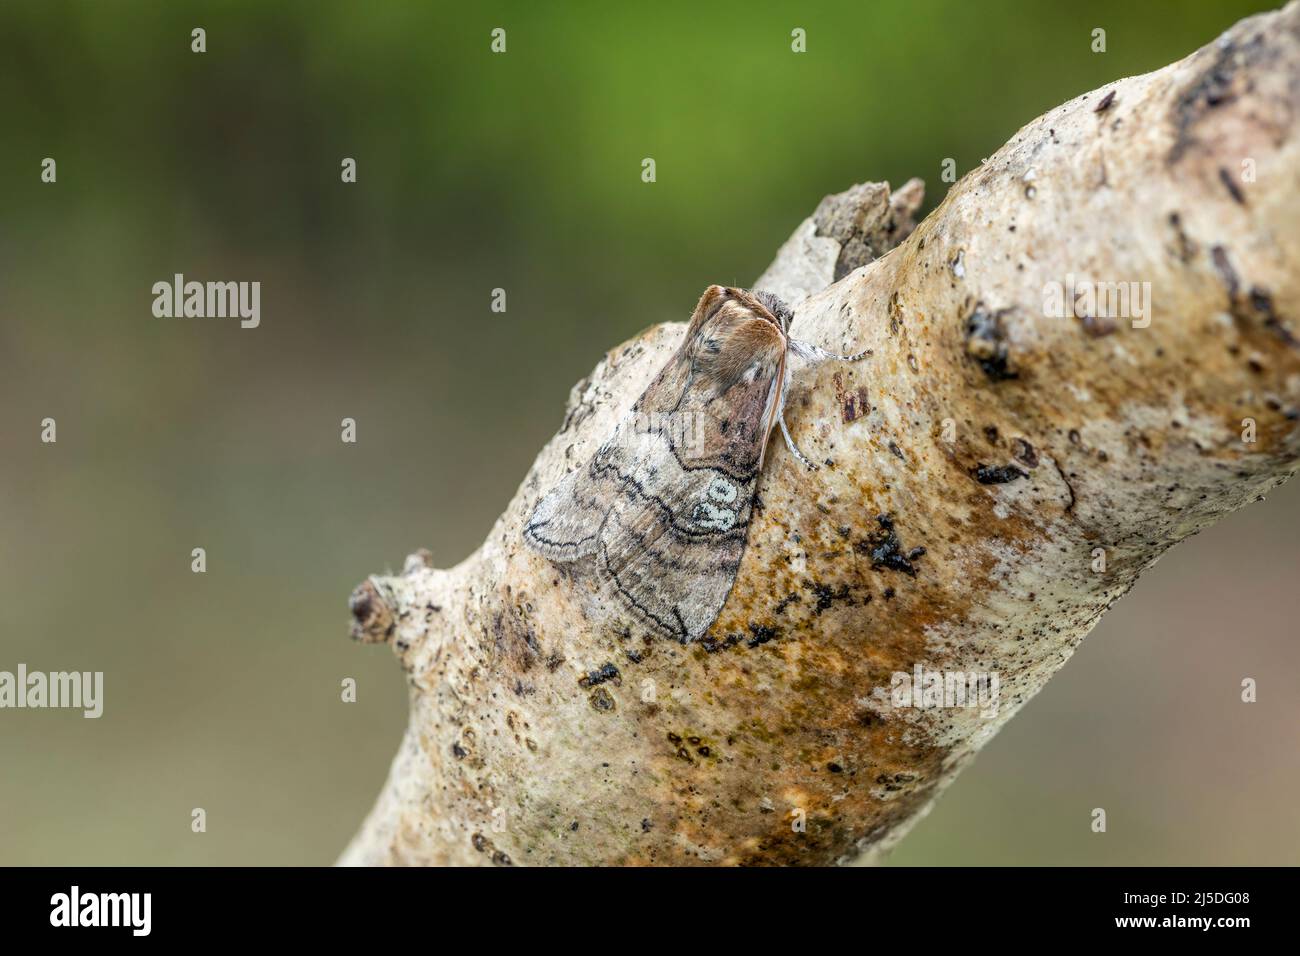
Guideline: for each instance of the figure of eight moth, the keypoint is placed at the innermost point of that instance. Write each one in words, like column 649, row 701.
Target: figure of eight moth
column 657, row 519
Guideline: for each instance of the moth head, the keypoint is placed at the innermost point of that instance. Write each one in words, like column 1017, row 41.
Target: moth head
column 766, row 306
column 735, row 337
column 733, row 371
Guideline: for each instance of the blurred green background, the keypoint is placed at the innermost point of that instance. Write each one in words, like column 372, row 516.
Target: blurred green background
column 476, row 171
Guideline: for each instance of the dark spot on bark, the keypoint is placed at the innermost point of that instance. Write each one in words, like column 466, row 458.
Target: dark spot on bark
column 712, row 645
column 1069, row 487
column 515, row 641
column 834, row 767
column 785, row 602
column 1024, row 453
column 853, row 403
column 1261, row 306
column 986, row 343
column 645, row 825
column 574, row 826
column 762, row 634
column 885, row 549
column 997, row 474
column 1253, row 308
column 1096, row 325
column 459, row 752
column 606, row 672
column 1105, row 103
column 601, row 700
column 894, row 450
column 826, row 596
column 1185, row 246
column 1230, row 184
column 991, row 434
column 1216, row 85
column 1219, row 256
column 359, row 604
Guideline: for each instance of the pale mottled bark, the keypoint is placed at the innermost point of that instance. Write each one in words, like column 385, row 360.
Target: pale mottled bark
column 1116, row 437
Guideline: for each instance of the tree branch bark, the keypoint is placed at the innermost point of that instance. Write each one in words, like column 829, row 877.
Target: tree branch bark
column 1041, row 463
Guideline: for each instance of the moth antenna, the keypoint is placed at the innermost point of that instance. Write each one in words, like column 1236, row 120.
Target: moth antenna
column 812, row 353
column 789, row 443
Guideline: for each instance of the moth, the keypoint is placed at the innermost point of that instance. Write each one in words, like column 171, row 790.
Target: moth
column 658, row 518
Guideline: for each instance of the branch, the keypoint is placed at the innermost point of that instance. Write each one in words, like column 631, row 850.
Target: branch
column 994, row 478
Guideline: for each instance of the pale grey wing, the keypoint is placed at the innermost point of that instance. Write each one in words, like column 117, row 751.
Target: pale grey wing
column 565, row 525
column 673, row 583
column 671, row 545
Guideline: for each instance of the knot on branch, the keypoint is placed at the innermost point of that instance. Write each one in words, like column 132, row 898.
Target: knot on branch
column 867, row 221
column 372, row 618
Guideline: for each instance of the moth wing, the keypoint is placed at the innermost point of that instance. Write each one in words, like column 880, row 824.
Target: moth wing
column 565, row 525
column 672, row 543
column 662, row 511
